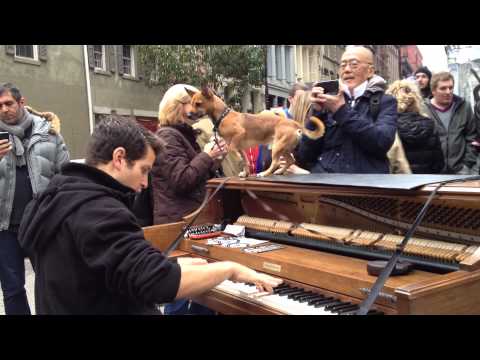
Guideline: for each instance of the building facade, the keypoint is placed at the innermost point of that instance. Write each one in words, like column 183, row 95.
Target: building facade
column 464, row 65
column 280, row 74
column 411, row 59
column 317, row 62
column 387, row 61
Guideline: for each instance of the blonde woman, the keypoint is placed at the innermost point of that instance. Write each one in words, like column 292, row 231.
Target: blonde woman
column 417, row 132
column 181, row 172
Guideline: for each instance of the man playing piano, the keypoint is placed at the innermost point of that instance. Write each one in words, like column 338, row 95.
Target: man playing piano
column 87, row 249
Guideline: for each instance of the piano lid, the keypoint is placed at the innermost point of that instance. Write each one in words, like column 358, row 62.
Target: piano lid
column 382, row 181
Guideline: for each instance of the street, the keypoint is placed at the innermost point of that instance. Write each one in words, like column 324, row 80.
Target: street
column 29, row 284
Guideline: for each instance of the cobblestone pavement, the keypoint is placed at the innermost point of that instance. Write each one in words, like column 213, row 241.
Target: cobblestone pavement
column 29, row 281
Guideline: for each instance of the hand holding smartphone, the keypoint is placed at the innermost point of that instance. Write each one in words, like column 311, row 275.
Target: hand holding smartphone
column 4, row 135
column 329, row 87
column 5, row 146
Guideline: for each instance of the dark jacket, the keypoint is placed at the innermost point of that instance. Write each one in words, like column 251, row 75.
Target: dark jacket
column 457, row 140
column 421, row 143
column 143, row 205
column 179, row 174
column 353, row 142
column 88, row 251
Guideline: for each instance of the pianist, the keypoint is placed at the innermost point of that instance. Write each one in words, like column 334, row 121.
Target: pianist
column 358, row 133
column 86, row 247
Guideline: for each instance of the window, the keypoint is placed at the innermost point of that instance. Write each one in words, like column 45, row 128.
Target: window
column 99, row 57
column 128, row 61
column 27, row 51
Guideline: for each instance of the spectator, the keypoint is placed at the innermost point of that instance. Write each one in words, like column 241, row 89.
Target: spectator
column 355, row 141
column 28, row 160
column 455, row 124
column 417, row 132
column 181, row 171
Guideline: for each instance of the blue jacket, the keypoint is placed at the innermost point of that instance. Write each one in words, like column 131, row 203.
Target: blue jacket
column 353, row 141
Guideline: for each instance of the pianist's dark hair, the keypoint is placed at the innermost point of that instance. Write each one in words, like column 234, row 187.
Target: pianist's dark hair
column 12, row 89
column 120, row 131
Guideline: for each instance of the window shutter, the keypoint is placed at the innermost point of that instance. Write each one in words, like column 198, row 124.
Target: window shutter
column 10, row 49
column 91, row 62
column 139, row 68
column 42, row 52
column 110, row 54
column 120, row 59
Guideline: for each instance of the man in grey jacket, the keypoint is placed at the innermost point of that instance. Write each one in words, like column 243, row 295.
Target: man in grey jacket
column 28, row 160
column 456, row 126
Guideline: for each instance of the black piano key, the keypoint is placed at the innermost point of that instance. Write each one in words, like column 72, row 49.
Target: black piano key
column 349, row 309
column 305, row 295
column 285, row 292
column 334, row 308
column 298, row 292
column 278, row 289
column 297, row 296
column 310, row 297
column 318, row 298
column 323, row 301
column 330, row 306
column 282, row 286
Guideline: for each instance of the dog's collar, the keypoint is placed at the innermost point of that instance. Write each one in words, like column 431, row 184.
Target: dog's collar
column 222, row 116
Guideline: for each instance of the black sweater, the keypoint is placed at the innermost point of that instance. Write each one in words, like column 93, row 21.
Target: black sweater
column 421, row 143
column 88, row 251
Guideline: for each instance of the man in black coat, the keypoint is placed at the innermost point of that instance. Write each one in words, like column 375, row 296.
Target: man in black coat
column 423, row 76
column 87, row 248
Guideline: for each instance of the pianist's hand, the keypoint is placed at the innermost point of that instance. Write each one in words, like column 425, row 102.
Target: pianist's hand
column 191, row 261
column 263, row 282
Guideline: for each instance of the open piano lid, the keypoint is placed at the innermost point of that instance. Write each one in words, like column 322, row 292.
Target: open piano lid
column 382, row 181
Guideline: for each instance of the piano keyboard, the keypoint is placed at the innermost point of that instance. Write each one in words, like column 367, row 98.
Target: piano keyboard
column 292, row 300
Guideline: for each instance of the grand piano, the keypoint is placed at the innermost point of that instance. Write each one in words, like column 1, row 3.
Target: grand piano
column 330, row 226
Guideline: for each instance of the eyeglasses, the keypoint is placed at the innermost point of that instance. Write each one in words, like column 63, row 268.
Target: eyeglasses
column 353, row 64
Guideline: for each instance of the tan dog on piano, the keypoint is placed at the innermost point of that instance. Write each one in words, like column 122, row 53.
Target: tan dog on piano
column 242, row 131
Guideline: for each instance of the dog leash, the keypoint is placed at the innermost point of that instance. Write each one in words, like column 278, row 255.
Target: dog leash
column 174, row 245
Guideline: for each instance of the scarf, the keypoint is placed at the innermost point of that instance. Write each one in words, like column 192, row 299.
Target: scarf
column 18, row 133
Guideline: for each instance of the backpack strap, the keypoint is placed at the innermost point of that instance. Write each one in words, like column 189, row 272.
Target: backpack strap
column 375, row 104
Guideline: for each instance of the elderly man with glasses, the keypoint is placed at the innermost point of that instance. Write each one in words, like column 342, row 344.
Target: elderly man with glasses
column 360, row 121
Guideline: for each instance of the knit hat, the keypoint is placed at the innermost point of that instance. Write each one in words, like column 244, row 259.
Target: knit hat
column 424, row 70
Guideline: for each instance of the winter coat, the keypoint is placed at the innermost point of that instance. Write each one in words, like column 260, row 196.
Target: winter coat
column 421, row 143
column 179, row 174
column 232, row 163
column 456, row 141
column 45, row 154
column 88, row 251
column 354, row 142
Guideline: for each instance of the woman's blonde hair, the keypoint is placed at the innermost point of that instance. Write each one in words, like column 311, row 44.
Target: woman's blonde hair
column 171, row 106
column 301, row 107
column 408, row 96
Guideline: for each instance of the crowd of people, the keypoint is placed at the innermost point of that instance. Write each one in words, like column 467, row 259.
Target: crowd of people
column 81, row 224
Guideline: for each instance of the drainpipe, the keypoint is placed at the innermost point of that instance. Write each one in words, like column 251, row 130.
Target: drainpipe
column 89, row 90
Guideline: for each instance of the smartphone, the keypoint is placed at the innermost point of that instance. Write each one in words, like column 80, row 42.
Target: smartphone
column 4, row 135
column 329, row 87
